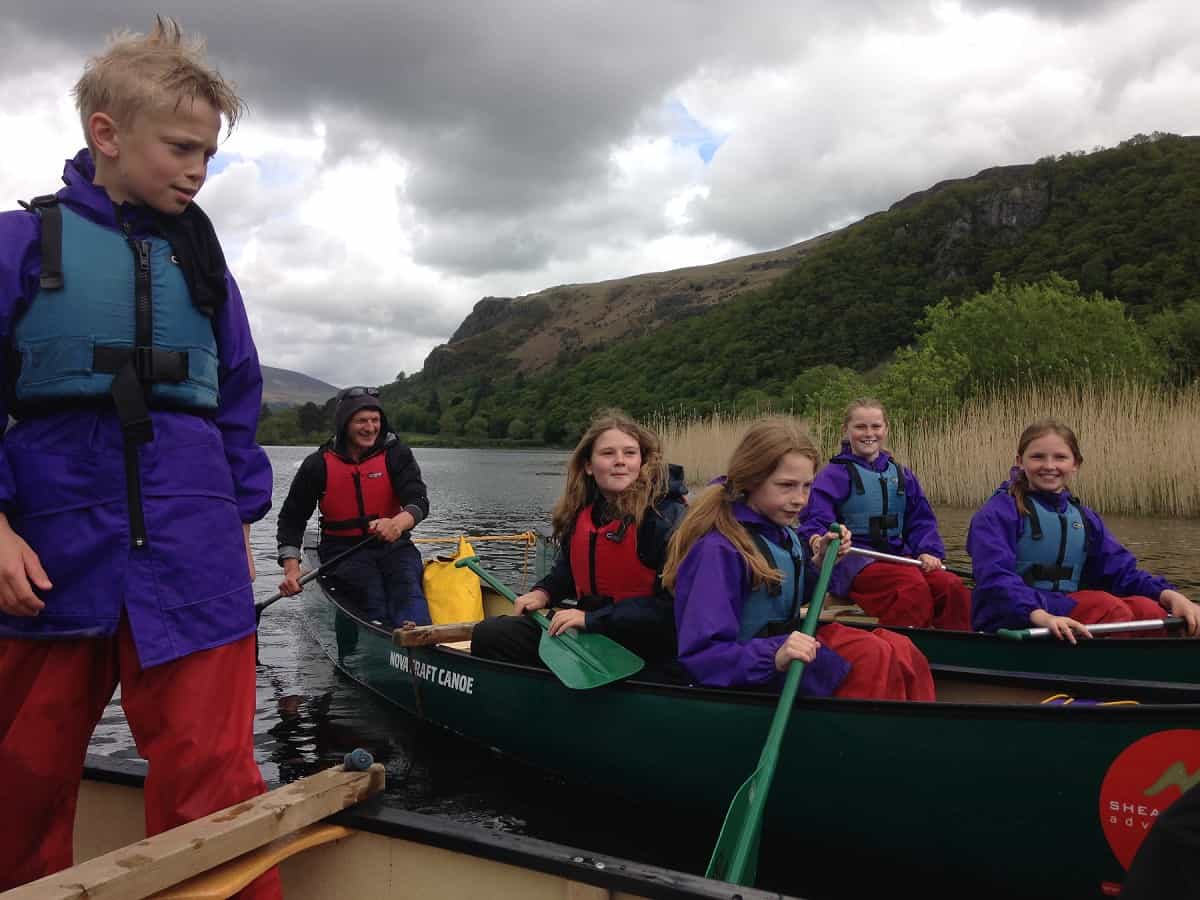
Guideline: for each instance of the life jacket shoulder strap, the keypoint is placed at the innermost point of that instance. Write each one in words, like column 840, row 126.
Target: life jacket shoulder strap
column 855, row 475
column 47, row 210
column 760, row 542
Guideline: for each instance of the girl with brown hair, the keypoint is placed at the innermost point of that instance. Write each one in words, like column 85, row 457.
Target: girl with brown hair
column 612, row 522
column 1042, row 558
column 738, row 570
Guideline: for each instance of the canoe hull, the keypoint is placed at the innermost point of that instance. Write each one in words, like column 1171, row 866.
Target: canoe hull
column 959, row 792
column 1175, row 660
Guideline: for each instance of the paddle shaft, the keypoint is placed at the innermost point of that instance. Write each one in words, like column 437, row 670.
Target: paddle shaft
column 1104, row 628
column 902, row 560
column 309, row 576
column 747, row 831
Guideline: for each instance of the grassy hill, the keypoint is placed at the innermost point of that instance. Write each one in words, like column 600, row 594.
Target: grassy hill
column 1124, row 222
column 283, row 388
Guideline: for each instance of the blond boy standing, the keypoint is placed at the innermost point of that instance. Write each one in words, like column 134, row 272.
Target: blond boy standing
column 130, row 479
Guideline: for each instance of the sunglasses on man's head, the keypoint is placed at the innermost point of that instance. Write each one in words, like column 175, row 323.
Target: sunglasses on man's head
column 361, row 392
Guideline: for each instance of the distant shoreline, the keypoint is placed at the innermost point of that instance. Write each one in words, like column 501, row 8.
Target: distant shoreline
column 437, row 441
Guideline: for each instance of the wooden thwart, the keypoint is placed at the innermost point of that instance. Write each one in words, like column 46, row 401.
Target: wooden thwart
column 524, row 537
column 165, row 860
column 454, row 632
column 848, row 614
column 424, row 635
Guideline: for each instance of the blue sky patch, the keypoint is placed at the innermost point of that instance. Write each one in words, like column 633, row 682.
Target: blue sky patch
column 222, row 161
column 687, row 131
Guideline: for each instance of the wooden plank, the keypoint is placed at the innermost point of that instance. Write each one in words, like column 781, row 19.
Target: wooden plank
column 424, row 635
column 156, row 863
column 844, row 612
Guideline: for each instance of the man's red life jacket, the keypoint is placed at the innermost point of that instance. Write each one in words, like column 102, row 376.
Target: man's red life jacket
column 355, row 494
column 604, row 560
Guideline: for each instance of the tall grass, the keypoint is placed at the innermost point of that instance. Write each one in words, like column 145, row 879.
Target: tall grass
column 1141, row 446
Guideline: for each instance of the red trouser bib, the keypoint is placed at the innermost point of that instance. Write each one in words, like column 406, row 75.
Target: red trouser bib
column 904, row 595
column 883, row 665
column 192, row 720
column 1098, row 607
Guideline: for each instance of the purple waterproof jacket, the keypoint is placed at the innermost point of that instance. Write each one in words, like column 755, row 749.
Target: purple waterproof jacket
column 831, row 488
column 1002, row 599
column 710, row 589
column 63, row 486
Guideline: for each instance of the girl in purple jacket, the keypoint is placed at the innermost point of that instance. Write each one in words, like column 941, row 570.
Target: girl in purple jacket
column 1041, row 558
column 882, row 504
column 738, row 570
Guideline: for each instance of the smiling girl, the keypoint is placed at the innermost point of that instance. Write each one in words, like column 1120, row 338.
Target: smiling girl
column 1041, row 558
column 611, row 524
column 882, row 504
column 738, row 569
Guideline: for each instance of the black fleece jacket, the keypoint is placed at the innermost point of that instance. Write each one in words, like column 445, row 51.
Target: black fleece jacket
column 309, row 486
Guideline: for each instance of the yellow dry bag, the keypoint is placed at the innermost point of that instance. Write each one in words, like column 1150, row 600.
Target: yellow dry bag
column 453, row 594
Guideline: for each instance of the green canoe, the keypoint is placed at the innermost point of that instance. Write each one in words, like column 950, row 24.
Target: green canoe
column 987, row 790
column 1173, row 659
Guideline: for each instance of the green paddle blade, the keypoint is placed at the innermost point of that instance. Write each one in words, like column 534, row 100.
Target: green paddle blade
column 580, row 660
column 735, row 857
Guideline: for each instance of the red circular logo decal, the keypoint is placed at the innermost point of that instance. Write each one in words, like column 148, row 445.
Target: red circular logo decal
column 1147, row 777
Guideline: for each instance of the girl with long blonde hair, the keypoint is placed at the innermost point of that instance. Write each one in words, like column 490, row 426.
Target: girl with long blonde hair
column 738, row 569
column 618, row 507
column 1042, row 558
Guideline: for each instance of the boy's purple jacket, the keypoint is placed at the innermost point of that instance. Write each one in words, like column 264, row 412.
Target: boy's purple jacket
column 62, row 482
column 832, row 487
column 710, row 589
column 1002, row 599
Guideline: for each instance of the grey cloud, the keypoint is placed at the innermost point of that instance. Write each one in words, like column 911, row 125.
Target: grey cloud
column 1050, row 9
column 503, row 108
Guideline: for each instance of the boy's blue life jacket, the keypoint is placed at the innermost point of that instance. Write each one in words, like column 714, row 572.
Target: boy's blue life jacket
column 1052, row 550
column 772, row 608
column 874, row 511
column 112, row 321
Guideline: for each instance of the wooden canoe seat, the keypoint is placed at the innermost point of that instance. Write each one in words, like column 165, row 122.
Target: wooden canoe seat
column 229, row 878
column 838, row 610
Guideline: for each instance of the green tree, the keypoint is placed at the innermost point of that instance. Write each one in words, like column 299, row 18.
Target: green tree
column 311, row 418
column 518, row 429
column 476, row 427
column 454, row 419
column 1047, row 332
column 825, row 390
column 1175, row 334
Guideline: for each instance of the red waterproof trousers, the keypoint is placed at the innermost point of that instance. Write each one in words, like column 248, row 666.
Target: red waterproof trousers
column 1096, row 607
column 904, row 595
column 883, row 665
column 192, row 720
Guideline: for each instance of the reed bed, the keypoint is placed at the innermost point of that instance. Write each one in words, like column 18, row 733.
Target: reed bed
column 702, row 445
column 1141, row 446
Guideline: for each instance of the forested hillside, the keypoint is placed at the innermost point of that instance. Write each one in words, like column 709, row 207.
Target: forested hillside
column 1123, row 224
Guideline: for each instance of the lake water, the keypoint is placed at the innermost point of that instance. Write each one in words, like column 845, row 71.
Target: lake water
column 308, row 715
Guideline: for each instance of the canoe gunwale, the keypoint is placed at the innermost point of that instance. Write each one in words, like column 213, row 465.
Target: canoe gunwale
column 572, row 863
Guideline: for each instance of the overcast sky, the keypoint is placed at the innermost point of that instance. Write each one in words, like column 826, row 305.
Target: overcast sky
column 402, row 160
